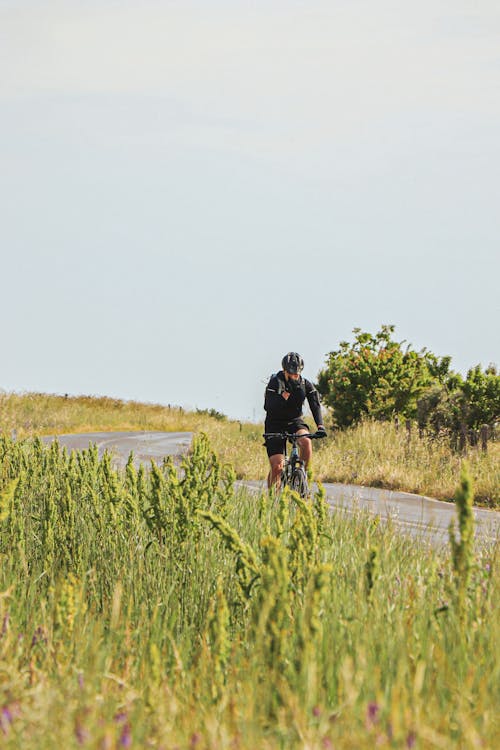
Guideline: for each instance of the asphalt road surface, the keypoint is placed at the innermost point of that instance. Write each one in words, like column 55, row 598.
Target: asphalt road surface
column 146, row 446
column 413, row 514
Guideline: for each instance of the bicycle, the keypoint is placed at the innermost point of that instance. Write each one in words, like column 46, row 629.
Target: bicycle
column 294, row 474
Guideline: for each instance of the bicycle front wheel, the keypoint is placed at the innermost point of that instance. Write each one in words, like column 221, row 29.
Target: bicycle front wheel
column 299, row 483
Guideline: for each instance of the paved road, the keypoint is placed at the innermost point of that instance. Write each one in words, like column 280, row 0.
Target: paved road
column 414, row 514
column 146, row 446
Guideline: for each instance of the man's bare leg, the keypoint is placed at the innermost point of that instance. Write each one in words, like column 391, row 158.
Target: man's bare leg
column 305, row 447
column 274, row 477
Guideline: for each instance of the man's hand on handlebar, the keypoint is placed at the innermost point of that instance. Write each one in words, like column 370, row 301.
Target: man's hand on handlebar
column 321, row 432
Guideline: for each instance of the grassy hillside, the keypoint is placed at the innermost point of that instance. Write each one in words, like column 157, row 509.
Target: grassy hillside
column 373, row 453
column 42, row 414
column 139, row 610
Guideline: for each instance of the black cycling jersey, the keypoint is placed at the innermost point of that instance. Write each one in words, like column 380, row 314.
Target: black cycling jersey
column 280, row 410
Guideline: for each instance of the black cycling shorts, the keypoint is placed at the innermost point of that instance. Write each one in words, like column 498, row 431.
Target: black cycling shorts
column 277, row 445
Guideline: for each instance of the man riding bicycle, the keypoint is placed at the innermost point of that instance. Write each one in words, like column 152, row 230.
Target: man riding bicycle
column 284, row 399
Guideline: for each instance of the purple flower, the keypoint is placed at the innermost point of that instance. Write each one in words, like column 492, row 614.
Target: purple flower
column 126, row 736
column 195, row 739
column 411, row 739
column 38, row 636
column 120, row 717
column 372, row 713
column 80, row 680
column 6, row 719
column 81, row 734
column 5, row 623
column 327, row 743
column 316, row 711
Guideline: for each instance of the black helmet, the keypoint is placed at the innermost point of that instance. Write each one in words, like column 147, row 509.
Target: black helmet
column 293, row 363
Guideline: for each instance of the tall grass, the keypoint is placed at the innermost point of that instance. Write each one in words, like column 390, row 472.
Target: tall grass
column 157, row 609
column 372, row 453
column 377, row 454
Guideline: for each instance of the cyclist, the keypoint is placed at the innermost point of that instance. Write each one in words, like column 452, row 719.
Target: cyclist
column 284, row 399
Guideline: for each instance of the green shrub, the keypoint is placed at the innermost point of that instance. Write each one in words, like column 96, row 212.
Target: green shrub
column 380, row 378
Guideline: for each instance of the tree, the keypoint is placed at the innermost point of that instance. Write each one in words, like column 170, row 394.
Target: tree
column 481, row 396
column 378, row 377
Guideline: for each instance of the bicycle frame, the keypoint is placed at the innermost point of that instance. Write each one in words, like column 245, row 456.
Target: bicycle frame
column 293, row 463
column 294, row 457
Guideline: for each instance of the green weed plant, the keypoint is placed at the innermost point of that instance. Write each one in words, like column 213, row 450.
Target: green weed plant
column 163, row 608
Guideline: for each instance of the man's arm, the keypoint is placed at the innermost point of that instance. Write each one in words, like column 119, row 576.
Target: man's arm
column 314, row 404
column 275, row 398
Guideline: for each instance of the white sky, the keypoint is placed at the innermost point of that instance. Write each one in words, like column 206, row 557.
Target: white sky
column 190, row 189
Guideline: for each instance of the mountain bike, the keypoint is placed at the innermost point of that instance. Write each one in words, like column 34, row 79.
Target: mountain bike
column 294, row 474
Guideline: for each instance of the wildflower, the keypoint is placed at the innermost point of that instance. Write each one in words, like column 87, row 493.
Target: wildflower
column 372, row 713
column 81, row 734
column 411, row 739
column 39, row 636
column 7, row 715
column 316, row 712
column 326, row 743
column 195, row 740
column 5, row 623
column 5, row 719
column 126, row 736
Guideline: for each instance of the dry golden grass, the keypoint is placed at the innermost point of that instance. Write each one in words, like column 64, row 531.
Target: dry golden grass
column 377, row 454
column 42, row 414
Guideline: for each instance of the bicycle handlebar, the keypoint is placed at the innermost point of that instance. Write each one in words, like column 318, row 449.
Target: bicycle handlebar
column 294, row 436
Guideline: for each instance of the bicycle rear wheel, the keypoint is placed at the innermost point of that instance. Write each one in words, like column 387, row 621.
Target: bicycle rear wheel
column 299, row 482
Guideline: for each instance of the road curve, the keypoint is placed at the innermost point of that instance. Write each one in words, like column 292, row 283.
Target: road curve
column 414, row 514
column 146, row 446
